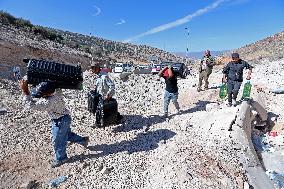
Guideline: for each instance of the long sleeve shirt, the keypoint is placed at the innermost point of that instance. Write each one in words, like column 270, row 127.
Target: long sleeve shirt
column 234, row 70
column 105, row 85
column 53, row 105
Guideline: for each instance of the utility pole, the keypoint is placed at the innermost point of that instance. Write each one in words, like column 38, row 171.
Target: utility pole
column 187, row 42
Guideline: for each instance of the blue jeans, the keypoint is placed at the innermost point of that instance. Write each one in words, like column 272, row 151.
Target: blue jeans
column 61, row 133
column 167, row 98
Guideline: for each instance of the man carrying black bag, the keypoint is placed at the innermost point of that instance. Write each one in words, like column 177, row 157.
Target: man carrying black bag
column 51, row 100
column 106, row 108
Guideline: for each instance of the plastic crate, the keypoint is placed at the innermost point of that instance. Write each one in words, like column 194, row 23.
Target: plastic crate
column 66, row 76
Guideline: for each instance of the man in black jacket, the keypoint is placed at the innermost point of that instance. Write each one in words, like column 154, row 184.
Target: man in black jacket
column 233, row 75
column 171, row 92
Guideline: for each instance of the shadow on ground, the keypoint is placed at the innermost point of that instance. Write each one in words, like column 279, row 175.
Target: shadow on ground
column 142, row 142
column 200, row 105
column 137, row 122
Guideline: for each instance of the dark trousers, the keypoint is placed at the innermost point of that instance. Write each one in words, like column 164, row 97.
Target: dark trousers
column 233, row 90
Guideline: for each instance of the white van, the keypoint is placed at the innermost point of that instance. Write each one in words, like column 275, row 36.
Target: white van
column 118, row 68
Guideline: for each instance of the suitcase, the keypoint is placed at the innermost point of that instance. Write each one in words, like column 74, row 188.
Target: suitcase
column 66, row 76
column 107, row 113
column 93, row 101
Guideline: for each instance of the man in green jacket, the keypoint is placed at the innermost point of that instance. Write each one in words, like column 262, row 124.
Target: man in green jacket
column 205, row 69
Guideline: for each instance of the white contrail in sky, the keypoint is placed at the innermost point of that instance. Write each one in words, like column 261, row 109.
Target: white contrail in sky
column 98, row 10
column 177, row 22
column 122, row 21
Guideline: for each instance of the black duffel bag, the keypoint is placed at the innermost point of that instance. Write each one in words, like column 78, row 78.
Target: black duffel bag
column 107, row 113
column 93, row 101
column 106, row 110
column 66, row 76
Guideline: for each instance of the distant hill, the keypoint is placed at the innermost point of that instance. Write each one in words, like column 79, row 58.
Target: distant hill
column 270, row 48
column 198, row 55
column 19, row 39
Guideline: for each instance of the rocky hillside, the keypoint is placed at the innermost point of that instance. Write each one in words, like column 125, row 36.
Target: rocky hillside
column 270, row 48
column 20, row 39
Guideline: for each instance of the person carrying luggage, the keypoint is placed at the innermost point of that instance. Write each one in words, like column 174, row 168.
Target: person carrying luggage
column 105, row 87
column 45, row 97
column 171, row 92
column 103, row 84
column 233, row 75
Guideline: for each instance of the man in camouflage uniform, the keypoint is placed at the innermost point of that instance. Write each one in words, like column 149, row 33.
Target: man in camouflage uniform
column 205, row 69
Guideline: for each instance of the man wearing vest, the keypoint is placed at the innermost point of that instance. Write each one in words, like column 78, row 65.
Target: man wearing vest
column 205, row 69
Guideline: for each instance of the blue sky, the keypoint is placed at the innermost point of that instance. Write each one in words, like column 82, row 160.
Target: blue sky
column 212, row 24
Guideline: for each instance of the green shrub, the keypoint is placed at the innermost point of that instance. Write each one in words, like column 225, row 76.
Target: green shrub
column 7, row 18
column 85, row 48
column 20, row 23
column 47, row 34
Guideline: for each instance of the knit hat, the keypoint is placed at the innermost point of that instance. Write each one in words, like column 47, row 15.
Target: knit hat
column 43, row 88
column 235, row 55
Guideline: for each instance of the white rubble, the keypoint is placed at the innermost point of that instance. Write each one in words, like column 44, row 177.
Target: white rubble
column 191, row 149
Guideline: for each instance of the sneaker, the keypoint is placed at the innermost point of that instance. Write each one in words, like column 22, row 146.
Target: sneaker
column 177, row 111
column 198, row 89
column 229, row 104
column 56, row 163
column 165, row 116
column 234, row 103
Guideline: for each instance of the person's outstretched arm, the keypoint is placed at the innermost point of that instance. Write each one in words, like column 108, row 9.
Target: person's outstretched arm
column 225, row 73
column 248, row 66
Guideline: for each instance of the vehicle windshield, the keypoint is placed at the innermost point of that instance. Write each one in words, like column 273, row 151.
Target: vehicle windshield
column 157, row 66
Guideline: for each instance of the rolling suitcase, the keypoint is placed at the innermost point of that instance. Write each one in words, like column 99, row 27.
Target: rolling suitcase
column 107, row 113
column 66, row 76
